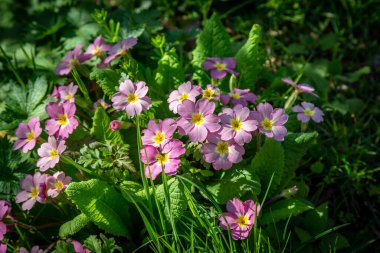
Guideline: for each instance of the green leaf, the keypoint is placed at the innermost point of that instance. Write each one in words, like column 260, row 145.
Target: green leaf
column 284, row 209
column 233, row 183
column 36, row 92
column 248, row 59
column 73, row 226
column 213, row 41
column 100, row 127
column 169, row 72
column 102, row 204
column 269, row 160
column 131, row 189
column 316, row 220
column 177, row 197
column 107, row 79
column 295, row 147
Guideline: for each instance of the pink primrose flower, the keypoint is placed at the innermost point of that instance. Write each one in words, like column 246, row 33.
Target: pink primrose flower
column 95, row 49
column 120, row 49
column 69, row 62
column 220, row 66
column 115, row 125
column 157, row 135
column 35, row 249
column 186, row 91
column 78, row 247
column 66, row 93
column 34, row 190
column 62, row 122
column 300, row 88
column 5, row 208
column 197, row 119
column 237, row 124
column 56, row 183
column 271, row 121
column 49, row 153
column 166, row 158
column 27, row 134
column 132, row 98
column 238, row 96
column 240, row 217
column 307, row 111
column 211, row 92
column 102, row 103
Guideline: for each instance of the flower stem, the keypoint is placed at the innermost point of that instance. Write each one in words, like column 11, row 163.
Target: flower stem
column 292, row 98
column 258, row 144
column 304, row 126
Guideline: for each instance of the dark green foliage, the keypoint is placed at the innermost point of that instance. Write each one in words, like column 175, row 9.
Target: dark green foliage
column 13, row 167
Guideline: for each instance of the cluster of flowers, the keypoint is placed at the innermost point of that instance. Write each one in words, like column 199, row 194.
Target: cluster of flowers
column 61, row 123
column 106, row 53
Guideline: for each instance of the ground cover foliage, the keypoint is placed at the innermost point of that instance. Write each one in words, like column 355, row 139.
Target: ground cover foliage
column 315, row 190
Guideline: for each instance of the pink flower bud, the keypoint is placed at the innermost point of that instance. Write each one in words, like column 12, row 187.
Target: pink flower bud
column 115, row 125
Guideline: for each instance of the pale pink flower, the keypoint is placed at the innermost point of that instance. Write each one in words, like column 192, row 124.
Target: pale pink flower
column 49, row 153
column 222, row 154
column 300, row 88
column 66, row 93
column 237, row 124
column 34, row 190
column 56, row 183
column 78, row 247
column 240, row 217
column 159, row 134
column 238, row 96
column 120, row 49
column 271, row 121
column 166, row 158
column 27, row 134
column 197, row 119
column 95, row 49
column 69, row 62
column 35, row 249
column 211, row 92
column 220, row 66
column 62, row 122
column 307, row 111
column 132, row 98
column 186, row 91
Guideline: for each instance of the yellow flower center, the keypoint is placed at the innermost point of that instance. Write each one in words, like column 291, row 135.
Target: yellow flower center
column 162, row 159
column 30, row 136
column 72, row 62
column 220, row 66
column 184, row 96
column 96, row 51
column 308, row 112
column 267, row 124
column 132, row 98
column 53, row 153
column 208, row 94
column 236, row 124
column 69, row 96
column 34, row 192
column 222, row 148
column 235, row 95
column 63, row 119
column 197, row 118
column 242, row 221
column 58, row 185
column 159, row 137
